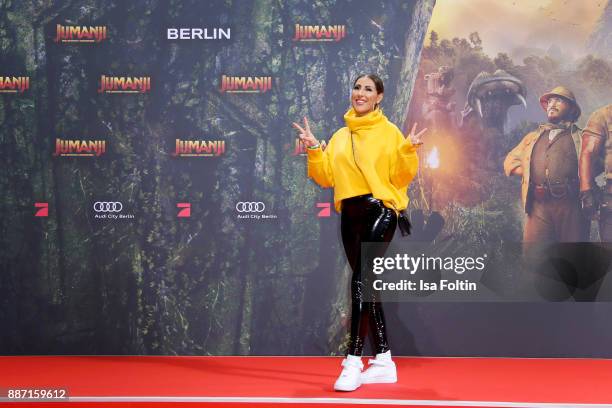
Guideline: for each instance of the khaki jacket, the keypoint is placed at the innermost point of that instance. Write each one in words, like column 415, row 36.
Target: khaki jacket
column 520, row 156
column 600, row 125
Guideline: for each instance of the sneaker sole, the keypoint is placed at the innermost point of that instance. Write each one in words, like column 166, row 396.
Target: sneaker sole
column 346, row 389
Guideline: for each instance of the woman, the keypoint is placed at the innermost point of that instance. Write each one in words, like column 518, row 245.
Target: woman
column 370, row 165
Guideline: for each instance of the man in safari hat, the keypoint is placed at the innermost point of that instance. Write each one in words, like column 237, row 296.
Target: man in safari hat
column 547, row 160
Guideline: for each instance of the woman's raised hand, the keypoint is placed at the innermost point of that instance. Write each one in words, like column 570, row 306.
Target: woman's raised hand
column 306, row 135
column 416, row 138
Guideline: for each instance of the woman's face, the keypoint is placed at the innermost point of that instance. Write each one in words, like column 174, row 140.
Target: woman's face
column 364, row 96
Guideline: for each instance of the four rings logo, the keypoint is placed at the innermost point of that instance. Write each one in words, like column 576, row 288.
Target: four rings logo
column 253, row 210
column 107, row 206
column 110, row 210
column 250, row 206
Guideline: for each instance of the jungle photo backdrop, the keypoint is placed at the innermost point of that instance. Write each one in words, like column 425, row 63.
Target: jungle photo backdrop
column 155, row 198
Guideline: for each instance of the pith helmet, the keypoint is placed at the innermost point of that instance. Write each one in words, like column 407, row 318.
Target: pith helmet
column 566, row 94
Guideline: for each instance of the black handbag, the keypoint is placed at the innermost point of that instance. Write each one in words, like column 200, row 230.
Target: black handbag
column 403, row 222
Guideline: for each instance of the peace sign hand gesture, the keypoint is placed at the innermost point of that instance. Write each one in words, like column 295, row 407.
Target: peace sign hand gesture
column 416, row 138
column 306, row 135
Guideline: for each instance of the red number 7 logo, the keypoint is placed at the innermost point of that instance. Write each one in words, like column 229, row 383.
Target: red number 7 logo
column 185, row 210
column 43, row 209
column 325, row 210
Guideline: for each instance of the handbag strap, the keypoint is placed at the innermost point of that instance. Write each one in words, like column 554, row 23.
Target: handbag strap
column 402, row 220
column 354, row 158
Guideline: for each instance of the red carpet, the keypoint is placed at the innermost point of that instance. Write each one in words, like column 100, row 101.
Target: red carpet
column 307, row 381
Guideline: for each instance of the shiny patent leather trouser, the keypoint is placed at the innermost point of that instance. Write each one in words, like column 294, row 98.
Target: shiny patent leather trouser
column 365, row 219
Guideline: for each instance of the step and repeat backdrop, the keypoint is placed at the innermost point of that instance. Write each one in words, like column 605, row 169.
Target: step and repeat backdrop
column 155, row 196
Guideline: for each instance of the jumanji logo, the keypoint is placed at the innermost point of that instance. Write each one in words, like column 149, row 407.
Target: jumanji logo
column 123, row 84
column 199, row 148
column 245, row 84
column 14, row 84
column 79, row 148
column 79, row 34
column 319, row 33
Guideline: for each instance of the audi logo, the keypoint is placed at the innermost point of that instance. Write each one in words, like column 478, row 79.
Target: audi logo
column 107, row 206
column 250, row 206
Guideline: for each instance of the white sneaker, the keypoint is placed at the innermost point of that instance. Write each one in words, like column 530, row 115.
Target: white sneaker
column 350, row 377
column 381, row 370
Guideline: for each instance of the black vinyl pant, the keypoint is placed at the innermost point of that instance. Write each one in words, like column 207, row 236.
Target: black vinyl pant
column 365, row 219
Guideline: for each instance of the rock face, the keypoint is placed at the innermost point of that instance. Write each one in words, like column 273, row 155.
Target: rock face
column 486, row 110
column 414, row 41
column 491, row 95
column 601, row 39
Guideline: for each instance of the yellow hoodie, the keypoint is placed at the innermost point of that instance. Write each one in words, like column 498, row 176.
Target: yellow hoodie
column 388, row 161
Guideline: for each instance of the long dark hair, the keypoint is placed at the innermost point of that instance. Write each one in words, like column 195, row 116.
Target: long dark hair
column 378, row 83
